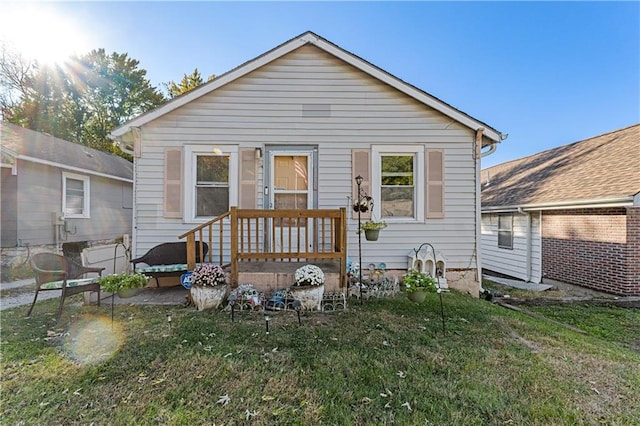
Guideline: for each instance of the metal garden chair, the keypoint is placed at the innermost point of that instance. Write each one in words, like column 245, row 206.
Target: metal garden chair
column 56, row 272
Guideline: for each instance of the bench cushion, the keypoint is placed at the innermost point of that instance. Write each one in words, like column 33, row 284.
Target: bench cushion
column 53, row 285
column 176, row 267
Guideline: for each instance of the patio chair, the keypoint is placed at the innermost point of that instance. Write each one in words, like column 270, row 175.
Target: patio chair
column 56, row 272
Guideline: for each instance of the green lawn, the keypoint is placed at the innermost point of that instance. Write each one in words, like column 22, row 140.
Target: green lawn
column 384, row 362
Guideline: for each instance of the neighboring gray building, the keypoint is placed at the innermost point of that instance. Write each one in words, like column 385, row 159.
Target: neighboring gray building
column 59, row 194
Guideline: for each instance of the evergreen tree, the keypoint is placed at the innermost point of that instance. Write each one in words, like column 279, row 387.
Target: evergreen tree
column 188, row 83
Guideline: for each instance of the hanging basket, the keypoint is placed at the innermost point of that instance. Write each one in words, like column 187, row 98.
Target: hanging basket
column 127, row 293
column 371, row 234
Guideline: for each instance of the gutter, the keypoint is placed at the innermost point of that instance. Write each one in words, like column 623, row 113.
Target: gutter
column 478, row 154
column 478, row 218
column 566, row 204
column 128, row 141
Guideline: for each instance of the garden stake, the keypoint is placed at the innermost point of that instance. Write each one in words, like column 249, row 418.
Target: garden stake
column 441, row 309
column 232, row 302
column 438, row 278
column 112, row 298
column 296, row 305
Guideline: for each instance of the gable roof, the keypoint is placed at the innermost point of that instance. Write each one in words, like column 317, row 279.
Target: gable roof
column 291, row 45
column 19, row 143
column 601, row 170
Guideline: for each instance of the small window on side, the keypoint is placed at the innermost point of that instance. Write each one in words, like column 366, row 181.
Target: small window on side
column 505, row 231
column 75, row 195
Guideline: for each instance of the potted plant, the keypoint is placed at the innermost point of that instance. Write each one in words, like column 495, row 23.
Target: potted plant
column 308, row 287
column 417, row 284
column 371, row 229
column 208, row 286
column 126, row 285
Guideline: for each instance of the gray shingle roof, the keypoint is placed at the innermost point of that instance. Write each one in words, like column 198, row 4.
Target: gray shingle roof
column 16, row 140
column 599, row 168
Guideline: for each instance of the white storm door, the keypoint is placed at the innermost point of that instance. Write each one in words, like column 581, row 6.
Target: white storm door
column 291, row 184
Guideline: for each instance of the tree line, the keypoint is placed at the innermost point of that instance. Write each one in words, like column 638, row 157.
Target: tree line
column 83, row 99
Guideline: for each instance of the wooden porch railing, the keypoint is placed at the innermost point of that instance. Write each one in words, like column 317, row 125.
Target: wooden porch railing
column 256, row 235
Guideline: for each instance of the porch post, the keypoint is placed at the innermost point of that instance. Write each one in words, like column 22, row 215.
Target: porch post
column 234, row 246
column 191, row 251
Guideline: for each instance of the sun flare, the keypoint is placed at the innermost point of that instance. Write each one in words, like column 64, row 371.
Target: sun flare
column 39, row 32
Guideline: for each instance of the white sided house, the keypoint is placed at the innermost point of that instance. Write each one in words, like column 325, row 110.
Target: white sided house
column 568, row 214
column 291, row 129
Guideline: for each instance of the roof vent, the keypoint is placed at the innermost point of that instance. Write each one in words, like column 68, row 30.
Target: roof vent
column 316, row 110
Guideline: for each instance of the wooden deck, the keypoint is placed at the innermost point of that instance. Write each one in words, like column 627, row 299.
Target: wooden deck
column 265, row 247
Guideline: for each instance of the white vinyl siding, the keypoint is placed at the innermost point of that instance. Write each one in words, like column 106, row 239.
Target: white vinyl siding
column 75, row 195
column 513, row 262
column 267, row 107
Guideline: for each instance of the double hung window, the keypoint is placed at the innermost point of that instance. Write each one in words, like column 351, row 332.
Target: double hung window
column 75, row 195
column 398, row 183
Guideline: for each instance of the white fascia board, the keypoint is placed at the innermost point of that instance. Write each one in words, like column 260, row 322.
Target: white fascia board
column 565, row 205
column 332, row 49
column 72, row 168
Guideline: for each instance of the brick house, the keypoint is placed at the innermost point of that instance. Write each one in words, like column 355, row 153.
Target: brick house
column 569, row 214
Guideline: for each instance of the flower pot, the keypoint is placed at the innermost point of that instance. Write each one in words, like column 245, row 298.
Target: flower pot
column 417, row 296
column 309, row 296
column 207, row 297
column 371, row 234
column 127, row 292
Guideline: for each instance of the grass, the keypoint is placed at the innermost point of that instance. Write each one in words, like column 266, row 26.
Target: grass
column 384, row 362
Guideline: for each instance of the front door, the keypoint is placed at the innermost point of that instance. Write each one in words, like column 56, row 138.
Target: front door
column 291, row 186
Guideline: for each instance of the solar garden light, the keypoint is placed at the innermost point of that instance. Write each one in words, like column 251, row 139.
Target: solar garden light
column 266, row 320
column 169, row 319
column 232, row 303
column 297, row 305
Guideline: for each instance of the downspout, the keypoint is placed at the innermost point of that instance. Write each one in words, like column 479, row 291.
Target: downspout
column 528, row 245
column 477, row 156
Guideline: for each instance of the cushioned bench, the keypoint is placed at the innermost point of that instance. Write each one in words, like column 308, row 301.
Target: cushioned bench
column 167, row 260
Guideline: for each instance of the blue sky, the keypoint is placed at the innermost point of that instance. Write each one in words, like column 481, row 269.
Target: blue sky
column 546, row 73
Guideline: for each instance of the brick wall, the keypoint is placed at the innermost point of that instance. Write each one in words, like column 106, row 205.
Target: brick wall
column 594, row 248
column 633, row 251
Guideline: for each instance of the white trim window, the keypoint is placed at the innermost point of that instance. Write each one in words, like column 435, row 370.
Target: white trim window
column 211, row 181
column 398, row 183
column 505, row 231
column 75, row 195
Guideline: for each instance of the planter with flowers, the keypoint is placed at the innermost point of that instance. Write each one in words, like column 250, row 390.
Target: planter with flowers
column 126, row 285
column 309, row 287
column 372, row 228
column 417, row 284
column 208, row 286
